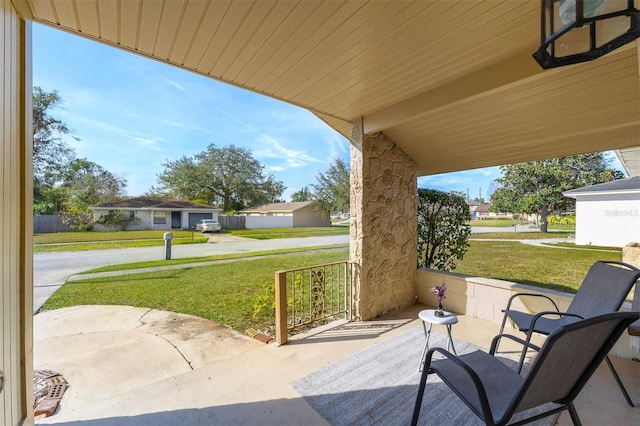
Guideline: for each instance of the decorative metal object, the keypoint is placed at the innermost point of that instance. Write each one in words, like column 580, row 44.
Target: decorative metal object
column 574, row 31
column 317, row 293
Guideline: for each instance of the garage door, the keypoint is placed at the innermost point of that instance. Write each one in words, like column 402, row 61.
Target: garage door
column 195, row 217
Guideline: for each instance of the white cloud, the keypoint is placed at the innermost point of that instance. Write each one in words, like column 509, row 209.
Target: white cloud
column 275, row 168
column 338, row 146
column 185, row 126
column 173, row 83
column 272, row 148
column 110, row 128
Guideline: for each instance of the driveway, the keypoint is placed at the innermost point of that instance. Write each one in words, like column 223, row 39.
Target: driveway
column 51, row 270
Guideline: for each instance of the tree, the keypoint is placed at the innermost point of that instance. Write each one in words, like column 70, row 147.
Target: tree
column 443, row 228
column 332, row 190
column 227, row 176
column 303, row 195
column 536, row 187
column 63, row 183
column 50, row 152
column 88, row 184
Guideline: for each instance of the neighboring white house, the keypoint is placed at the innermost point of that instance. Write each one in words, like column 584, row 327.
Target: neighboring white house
column 608, row 214
column 285, row 215
column 157, row 212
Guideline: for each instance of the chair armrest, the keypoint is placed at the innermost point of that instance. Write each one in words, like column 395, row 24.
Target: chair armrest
column 530, row 295
column 496, row 340
column 539, row 315
column 482, row 394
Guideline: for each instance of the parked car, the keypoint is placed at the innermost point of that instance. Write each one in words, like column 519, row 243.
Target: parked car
column 208, row 225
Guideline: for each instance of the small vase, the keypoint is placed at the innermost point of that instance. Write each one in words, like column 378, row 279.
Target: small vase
column 439, row 312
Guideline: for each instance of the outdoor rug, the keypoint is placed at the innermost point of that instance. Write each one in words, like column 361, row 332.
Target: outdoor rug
column 378, row 385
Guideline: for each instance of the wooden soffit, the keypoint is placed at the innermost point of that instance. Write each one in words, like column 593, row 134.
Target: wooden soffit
column 451, row 82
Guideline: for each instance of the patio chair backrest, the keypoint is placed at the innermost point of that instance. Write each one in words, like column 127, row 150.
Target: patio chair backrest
column 569, row 357
column 603, row 289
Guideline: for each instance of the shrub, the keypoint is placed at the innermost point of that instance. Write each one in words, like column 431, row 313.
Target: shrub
column 562, row 220
column 78, row 220
column 443, row 229
column 117, row 219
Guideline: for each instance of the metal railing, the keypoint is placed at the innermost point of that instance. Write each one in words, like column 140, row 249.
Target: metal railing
column 307, row 296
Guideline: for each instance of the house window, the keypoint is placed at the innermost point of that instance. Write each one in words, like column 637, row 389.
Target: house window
column 159, row 218
column 132, row 214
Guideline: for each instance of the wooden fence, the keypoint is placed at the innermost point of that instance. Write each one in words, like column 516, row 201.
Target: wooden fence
column 48, row 224
column 232, row 222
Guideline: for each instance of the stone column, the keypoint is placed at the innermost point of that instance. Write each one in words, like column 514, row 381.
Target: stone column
column 383, row 224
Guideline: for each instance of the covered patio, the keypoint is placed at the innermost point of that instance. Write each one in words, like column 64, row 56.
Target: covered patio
column 419, row 88
column 244, row 382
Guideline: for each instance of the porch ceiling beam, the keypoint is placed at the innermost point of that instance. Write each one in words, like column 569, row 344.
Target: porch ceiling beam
column 509, row 71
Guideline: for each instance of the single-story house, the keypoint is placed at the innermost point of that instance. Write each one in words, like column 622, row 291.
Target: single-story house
column 608, row 214
column 157, row 212
column 285, row 215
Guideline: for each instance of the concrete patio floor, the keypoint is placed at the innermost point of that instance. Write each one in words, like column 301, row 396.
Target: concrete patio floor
column 136, row 366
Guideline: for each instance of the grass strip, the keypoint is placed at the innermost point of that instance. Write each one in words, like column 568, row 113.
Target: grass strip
column 519, row 235
column 495, row 223
column 79, row 237
column 274, row 233
column 104, row 245
column 183, row 261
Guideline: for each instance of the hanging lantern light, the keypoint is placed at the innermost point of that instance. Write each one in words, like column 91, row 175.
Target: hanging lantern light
column 574, row 31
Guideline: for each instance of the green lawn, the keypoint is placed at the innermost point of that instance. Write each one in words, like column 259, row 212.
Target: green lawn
column 80, row 241
column 226, row 293
column 554, row 268
column 273, row 233
column 533, row 235
column 82, row 237
column 505, row 223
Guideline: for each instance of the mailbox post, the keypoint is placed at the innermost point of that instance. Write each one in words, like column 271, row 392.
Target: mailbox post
column 167, row 245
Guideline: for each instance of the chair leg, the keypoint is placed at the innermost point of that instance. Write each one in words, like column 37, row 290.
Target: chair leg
column 620, row 384
column 523, row 354
column 574, row 414
column 418, row 405
column 504, row 321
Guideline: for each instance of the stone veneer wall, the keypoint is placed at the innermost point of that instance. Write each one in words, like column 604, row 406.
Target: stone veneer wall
column 383, row 224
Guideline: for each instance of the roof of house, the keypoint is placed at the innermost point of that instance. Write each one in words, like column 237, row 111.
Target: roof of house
column 622, row 185
column 278, row 207
column 154, row 203
column 483, row 208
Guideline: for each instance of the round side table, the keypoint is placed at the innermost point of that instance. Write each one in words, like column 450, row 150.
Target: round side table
column 429, row 316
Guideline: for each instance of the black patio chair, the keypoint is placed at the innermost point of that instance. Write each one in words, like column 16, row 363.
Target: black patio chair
column 602, row 291
column 564, row 364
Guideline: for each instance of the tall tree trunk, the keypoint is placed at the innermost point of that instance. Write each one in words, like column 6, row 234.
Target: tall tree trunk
column 544, row 212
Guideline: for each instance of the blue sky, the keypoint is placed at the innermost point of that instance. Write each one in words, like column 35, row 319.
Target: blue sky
column 131, row 114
